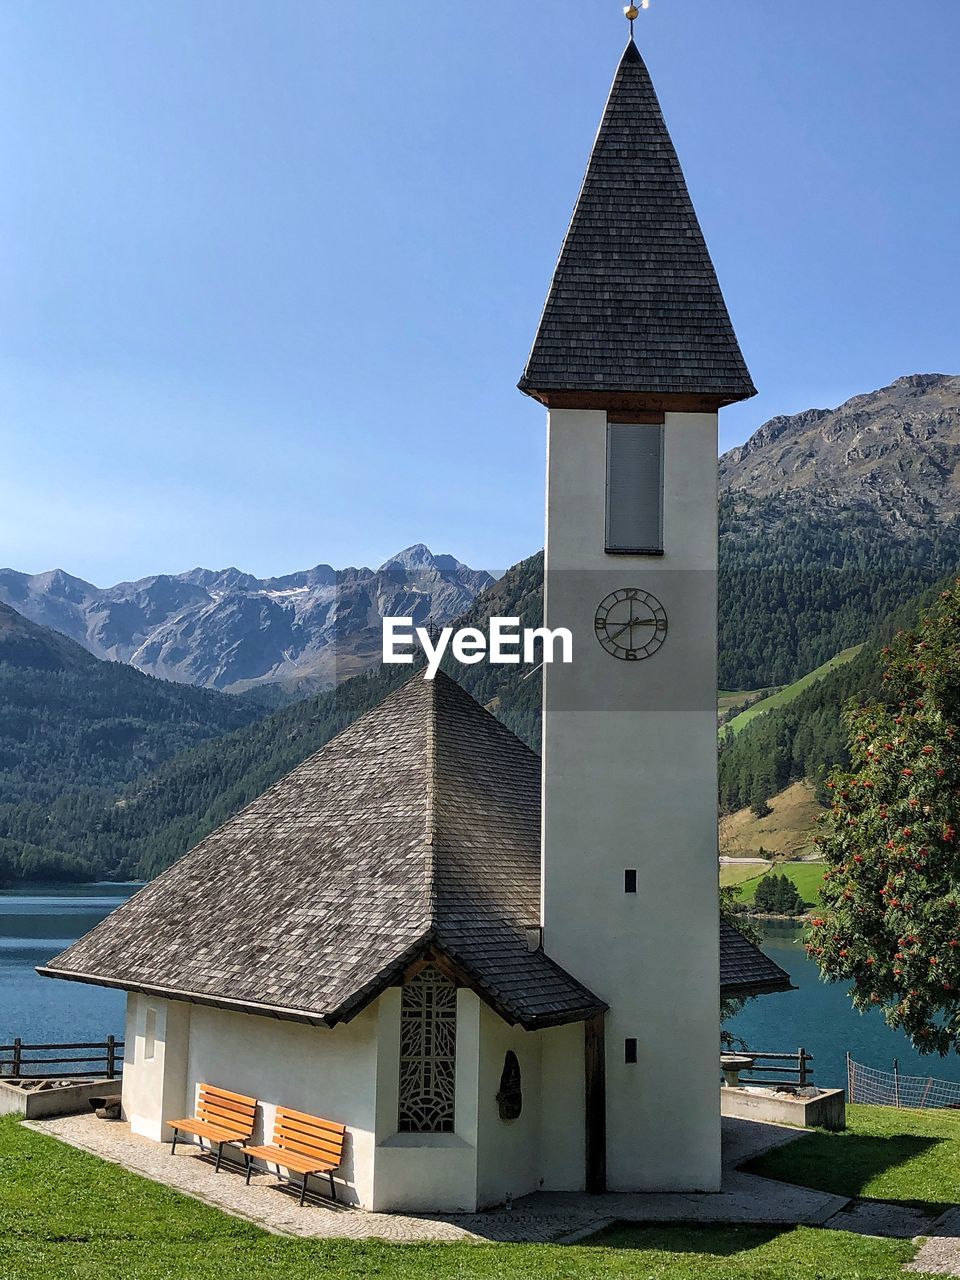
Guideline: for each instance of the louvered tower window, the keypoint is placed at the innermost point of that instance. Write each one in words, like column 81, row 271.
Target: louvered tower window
column 634, row 489
column 428, row 1049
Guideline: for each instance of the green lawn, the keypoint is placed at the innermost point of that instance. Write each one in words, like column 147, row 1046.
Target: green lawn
column 807, row 876
column 885, row 1154
column 733, row 873
column 790, row 691
column 65, row 1215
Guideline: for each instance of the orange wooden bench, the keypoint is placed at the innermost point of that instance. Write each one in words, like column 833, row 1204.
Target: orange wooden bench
column 302, row 1144
column 221, row 1117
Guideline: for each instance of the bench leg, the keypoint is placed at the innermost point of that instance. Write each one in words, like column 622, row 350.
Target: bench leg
column 249, row 1166
column 303, row 1190
column 219, row 1157
column 333, row 1187
column 173, row 1149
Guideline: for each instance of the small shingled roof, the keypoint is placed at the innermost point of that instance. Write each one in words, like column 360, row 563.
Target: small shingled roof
column 745, row 970
column 635, row 305
column 414, row 832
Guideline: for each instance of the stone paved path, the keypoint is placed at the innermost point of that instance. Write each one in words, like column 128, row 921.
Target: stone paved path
column 940, row 1254
column 542, row 1217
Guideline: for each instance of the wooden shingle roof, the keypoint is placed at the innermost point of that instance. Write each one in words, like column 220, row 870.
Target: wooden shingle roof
column 745, row 970
column 635, row 306
column 416, row 830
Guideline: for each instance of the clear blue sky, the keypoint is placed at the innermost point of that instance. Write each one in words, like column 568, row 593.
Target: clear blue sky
column 271, row 269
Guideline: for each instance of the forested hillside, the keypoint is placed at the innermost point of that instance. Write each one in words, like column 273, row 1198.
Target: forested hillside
column 72, row 726
column 797, row 584
column 805, row 738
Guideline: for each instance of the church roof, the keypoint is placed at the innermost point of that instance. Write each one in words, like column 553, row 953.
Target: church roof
column 635, row 305
column 416, row 830
column 745, row 970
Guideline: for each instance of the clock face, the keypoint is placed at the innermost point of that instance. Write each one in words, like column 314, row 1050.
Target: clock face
column 631, row 624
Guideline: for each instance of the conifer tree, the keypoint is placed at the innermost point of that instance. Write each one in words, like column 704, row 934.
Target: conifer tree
column 891, row 923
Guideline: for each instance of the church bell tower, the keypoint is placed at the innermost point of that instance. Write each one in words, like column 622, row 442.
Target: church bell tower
column 634, row 357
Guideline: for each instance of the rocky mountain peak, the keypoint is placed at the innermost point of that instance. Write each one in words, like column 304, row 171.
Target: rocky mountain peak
column 226, row 629
column 895, row 450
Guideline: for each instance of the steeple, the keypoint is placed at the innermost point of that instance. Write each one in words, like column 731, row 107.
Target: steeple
column 635, row 317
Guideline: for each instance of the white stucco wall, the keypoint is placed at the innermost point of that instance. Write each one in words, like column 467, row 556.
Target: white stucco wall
column 508, row 1151
column 155, row 1075
column 562, row 1136
column 326, row 1072
column 630, row 782
column 330, row 1072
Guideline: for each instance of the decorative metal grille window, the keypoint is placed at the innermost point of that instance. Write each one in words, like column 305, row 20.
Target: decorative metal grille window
column 428, row 1049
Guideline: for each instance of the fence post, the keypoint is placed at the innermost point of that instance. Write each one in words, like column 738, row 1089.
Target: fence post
column 17, row 1044
column 111, row 1056
column 802, row 1056
column 850, row 1077
column 896, row 1082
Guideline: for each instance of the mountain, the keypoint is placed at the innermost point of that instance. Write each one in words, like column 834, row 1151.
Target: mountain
column 893, row 452
column 829, row 520
column 74, row 726
column 227, row 630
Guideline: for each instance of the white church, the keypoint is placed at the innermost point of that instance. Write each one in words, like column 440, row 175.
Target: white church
column 502, row 972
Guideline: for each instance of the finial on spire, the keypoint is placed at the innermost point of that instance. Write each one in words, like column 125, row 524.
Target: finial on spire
column 632, row 11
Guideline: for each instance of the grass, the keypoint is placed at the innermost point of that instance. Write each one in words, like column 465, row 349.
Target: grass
column 885, row 1154
column 65, row 1215
column 807, row 876
column 790, row 691
column 731, row 873
column 787, row 829
column 730, row 698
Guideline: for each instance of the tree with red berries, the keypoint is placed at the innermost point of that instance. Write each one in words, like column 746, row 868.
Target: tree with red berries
column 890, row 922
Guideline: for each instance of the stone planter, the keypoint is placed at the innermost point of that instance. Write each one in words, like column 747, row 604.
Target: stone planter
column 34, row 1099
column 809, row 1108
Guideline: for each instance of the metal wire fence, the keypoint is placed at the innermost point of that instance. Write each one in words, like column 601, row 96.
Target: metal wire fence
column 893, row 1089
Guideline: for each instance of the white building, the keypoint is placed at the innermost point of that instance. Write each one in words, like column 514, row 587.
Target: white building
column 495, row 997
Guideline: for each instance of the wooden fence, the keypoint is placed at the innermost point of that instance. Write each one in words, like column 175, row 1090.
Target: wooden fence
column 103, row 1058
column 791, row 1068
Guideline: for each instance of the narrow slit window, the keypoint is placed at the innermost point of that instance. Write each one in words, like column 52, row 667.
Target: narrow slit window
column 630, row 1050
column 630, row 881
column 634, row 489
column 150, row 1035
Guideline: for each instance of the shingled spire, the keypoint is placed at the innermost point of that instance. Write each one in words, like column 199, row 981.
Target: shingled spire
column 635, row 310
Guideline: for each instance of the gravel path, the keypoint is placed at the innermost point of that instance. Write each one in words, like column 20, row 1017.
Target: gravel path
column 542, row 1217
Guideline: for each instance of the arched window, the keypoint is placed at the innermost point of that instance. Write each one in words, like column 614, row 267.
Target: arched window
column 428, row 1048
column 510, row 1097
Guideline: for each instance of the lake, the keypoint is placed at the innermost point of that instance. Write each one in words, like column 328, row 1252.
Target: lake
column 820, row 1018
column 38, row 923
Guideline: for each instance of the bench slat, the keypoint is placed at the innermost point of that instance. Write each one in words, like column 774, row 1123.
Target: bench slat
column 289, row 1160
column 204, row 1130
column 216, row 1091
column 208, row 1109
column 315, row 1122
column 309, row 1149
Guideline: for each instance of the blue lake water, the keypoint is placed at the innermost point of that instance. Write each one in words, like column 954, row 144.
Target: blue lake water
column 820, row 1018
column 35, row 925
column 38, row 923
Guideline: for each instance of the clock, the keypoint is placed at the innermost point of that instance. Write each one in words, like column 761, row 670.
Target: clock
column 631, row 623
